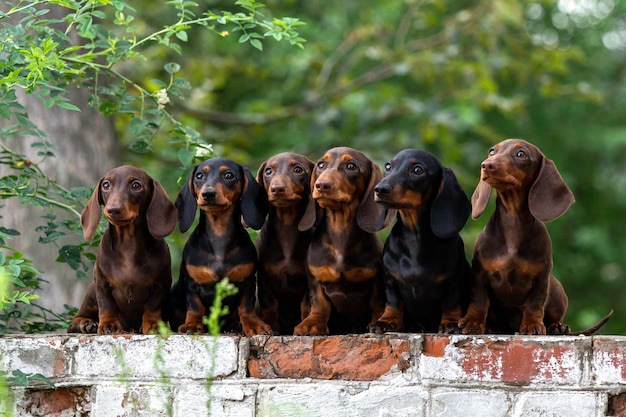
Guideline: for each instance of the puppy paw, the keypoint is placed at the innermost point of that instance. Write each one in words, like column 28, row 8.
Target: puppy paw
column 311, row 328
column 532, row 328
column 449, row 327
column 83, row 325
column 380, row 327
column 110, row 327
column 191, row 328
column 469, row 326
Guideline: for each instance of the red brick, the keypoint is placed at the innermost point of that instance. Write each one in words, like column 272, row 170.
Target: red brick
column 435, row 345
column 336, row 357
column 62, row 401
column 609, row 360
column 617, row 405
column 520, row 360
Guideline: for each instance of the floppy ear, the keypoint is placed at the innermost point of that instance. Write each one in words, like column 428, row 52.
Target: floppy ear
column 370, row 211
column 161, row 215
column 254, row 205
column 451, row 207
column 480, row 198
column 186, row 204
column 90, row 217
column 309, row 218
column 259, row 174
column 549, row 196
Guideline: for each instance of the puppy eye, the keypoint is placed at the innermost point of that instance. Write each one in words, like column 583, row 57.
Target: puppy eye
column 388, row 167
column 268, row 171
column 229, row 175
column 199, row 175
column 492, row 152
column 106, row 185
column 298, row 169
column 350, row 166
column 321, row 165
column 418, row 170
column 136, row 185
column 520, row 154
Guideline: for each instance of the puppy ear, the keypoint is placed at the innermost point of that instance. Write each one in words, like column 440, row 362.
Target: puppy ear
column 91, row 214
column 254, row 204
column 259, row 174
column 451, row 207
column 162, row 214
column 186, row 204
column 370, row 211
column 480, row 198
column 310, row 216
column 549, row 196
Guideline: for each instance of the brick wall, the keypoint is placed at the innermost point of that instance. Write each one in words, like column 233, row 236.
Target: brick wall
column 366, row 375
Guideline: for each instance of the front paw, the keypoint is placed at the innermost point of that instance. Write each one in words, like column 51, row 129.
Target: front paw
column 110, row 327
column 311, row 328
column 532, row 328
column 256, row 327
column 380, row 327
column 191, row 328
column 449, row 327
column 470, row 326
column 83, row 325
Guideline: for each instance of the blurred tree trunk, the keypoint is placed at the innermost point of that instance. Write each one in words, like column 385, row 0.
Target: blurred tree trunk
column 87, row 148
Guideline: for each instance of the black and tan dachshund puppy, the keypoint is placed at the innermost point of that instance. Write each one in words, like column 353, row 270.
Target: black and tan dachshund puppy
column 344, row 257
column 426, row 272
column 219, row 247
column 514, row 289
column 281, row 247
column 132, row 273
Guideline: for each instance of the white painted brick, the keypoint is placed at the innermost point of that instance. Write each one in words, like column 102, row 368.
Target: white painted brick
column 153, row 357
column 132, row 400
column 341, row 399
column 221, row 399
column 470, row 403
column 558, row 404
column 33, row 355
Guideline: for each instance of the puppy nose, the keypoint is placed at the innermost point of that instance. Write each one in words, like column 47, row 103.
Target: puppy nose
column 323, row 185
column 114, row 209
column 209, row 194
column 488, row 166
column 277, row 189
column 382, row 189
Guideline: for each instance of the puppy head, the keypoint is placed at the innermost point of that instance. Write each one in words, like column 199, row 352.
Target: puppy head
column 127, row 193
column 517, row 166
column 344, row 179
column 416, row 181
column 218, row 186
column 286, row 178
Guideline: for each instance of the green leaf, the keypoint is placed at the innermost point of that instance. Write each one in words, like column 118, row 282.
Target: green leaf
column 185, row 156
column 171, row 67
column 182, row 35
column 257, row 44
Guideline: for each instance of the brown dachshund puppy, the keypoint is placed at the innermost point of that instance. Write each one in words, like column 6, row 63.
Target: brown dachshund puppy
column 132, row 273
column 219, row 247
column 281, row 247
column 344, row 257
column 514, row 289
column 427, row 276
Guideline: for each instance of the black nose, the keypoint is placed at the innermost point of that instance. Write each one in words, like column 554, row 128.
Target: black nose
column 382, row 189
column 208, row 195
column 114, row 209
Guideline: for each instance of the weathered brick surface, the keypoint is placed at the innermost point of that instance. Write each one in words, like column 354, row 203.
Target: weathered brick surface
column 357, row 359
column 506, row 359
column 366, row 375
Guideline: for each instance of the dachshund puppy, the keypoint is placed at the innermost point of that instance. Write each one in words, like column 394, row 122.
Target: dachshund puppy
column 344, row 257
column 514, row 289
column 132, row 273
column 281, row 247
column 219, row 247
column 426, row 273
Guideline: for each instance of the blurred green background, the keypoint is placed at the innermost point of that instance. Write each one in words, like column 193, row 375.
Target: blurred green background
column 451, row 77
